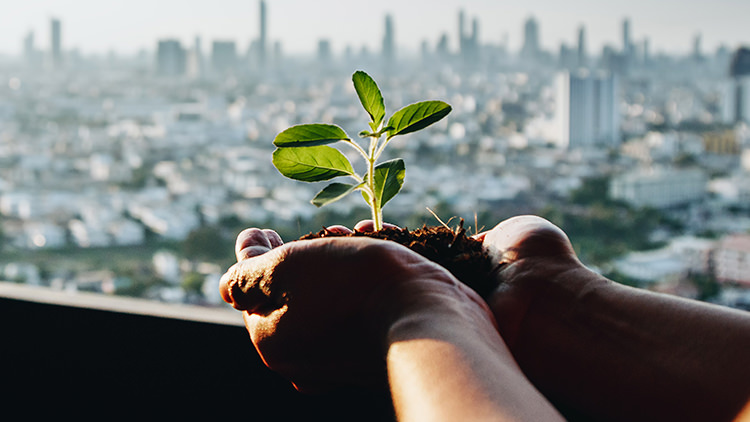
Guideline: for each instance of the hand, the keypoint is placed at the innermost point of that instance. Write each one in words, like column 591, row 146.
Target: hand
column 319, row 311
column 531, row 253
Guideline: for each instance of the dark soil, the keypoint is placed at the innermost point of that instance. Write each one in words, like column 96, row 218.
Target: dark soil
column 460, row 254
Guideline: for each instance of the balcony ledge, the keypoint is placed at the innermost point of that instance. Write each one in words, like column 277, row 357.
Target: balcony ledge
column 89, row 355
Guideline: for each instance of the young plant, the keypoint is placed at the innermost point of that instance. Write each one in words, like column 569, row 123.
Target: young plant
column 303, row 153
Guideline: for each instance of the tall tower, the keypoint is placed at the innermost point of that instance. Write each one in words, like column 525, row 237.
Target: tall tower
column 262, row 41
column 389, row 42
column 530, row 47
column 627, row 47
column 461, row 30
column 56, row 43
column 697, row 53
column 29, row 51
column 468, row 44
column 739, row 95
column 582, row 60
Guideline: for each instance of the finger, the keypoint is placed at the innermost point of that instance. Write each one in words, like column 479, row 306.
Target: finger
column 526, row 236
column 242, row 286
column 273, row 238
column 338, row 229
column 252, row 242
column 369, row 226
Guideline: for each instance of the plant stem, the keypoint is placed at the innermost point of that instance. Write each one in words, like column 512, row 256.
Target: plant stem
column 377, row 213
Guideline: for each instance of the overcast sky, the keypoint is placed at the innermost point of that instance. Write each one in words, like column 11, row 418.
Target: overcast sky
column 126, row 26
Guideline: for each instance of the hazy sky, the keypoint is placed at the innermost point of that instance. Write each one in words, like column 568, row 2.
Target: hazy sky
column 96, row 26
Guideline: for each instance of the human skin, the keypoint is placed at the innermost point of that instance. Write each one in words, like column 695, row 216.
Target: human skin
column 600, row 350
column 359, row 311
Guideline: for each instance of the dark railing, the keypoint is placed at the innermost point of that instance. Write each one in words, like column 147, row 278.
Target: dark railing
column 103, row 357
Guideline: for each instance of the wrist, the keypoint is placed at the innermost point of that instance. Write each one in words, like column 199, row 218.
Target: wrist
column 536, row 289
column 439, row 309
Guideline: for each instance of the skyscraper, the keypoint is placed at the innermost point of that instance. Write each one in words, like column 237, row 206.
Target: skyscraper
column 582, row 60
column 389, row 42
column 262, row 41
column 56, row 43
column 29, row 51
column 171, row 58
column 324, row 50
column 223, row 56
column 200, row 65
column 738, row 90
column 530, row 49
column 587, row 112
column 626, row 44
column 697, row 47
column 468, row 45
column 461, row 29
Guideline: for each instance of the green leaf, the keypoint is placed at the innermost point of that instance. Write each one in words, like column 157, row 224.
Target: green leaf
column 310, row 135
column 312, row 164
column 370, row 97
column 333, row 192
column 417, row 116
column 389, row 178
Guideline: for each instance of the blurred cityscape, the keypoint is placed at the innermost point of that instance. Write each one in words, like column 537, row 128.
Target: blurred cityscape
column 132, row 175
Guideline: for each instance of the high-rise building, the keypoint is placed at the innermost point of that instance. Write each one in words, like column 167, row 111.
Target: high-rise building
column 324, row 50
column 461, row 29
column 468, row 44
column 582, row 56
column 530, row 49
column 223, row 56
column 697, row 50
column 262, row 40
column 441, row 49
column 587, row 114
column 29, row 50
column 740, row 65
column 627, row 46
column 474, row 40
column 200, row 64
column 389, row 41
column 737, row 93
column 171, row 58
column 56, row 43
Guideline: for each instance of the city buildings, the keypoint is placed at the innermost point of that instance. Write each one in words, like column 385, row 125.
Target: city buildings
column 116, row 152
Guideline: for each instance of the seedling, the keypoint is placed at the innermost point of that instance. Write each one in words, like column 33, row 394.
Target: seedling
column 303, row 153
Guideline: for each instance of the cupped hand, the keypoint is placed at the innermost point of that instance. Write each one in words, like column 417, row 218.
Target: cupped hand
column 318, row 311
column 531, row 255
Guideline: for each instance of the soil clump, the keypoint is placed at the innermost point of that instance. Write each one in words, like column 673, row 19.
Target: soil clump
column 460, row 254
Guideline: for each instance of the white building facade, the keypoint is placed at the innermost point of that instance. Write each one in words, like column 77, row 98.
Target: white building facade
column 659, row 188
column 731, row 260
column 587, row 113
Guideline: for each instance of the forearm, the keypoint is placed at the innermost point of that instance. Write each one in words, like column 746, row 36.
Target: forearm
column 617, row 353
column 448, row 368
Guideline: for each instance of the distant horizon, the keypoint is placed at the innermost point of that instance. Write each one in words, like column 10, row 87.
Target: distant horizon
column 99, row 27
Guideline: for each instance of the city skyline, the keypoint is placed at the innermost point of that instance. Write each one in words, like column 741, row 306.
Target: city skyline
column 96, row 28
